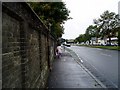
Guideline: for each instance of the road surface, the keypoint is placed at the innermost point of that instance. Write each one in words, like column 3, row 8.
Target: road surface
column 102, row 63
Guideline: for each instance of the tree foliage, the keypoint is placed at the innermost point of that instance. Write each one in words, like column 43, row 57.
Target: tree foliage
column 81, row 38
column 104, row 27
column 107, row 23
column 91, row 31
column 52, row 13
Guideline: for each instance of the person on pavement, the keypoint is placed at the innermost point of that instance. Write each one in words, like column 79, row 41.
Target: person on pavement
column 59, row 51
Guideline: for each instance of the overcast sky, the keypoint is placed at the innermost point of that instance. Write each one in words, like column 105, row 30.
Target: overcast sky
column 83, row 12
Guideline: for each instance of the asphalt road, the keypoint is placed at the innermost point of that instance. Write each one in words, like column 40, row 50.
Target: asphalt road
column 101, row 62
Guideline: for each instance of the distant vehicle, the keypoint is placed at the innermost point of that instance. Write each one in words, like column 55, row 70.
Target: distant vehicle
column 68, row 45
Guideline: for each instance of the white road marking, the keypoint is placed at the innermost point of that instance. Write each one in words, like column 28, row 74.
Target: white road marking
column 99, row 49
column 81, row 61
column 106, row 54
column 80, row 58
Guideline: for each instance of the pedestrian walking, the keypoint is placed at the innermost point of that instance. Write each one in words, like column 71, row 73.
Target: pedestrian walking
column 58, row 51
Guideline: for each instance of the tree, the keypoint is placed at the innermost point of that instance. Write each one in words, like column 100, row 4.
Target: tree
column 107, row 26
column 81, row 38
column 107, row 23
column 57, row 30
column 53, row 13
column 91, row 31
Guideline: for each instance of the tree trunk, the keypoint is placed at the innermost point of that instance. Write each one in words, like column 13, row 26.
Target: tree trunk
column 109, row 40
column 89, row 42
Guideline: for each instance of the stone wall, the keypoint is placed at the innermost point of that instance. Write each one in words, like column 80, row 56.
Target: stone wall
column 27, row 47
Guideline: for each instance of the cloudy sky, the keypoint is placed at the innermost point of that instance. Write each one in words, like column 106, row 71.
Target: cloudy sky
column 83, row 12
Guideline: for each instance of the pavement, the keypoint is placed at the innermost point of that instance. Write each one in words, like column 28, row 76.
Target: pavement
column 67, row 72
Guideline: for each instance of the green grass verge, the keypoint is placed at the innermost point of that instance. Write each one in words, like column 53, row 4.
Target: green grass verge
column 107, row 47
column 104, row 47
